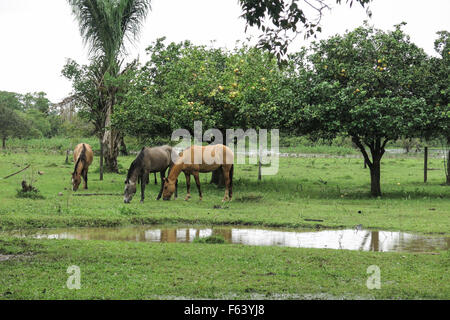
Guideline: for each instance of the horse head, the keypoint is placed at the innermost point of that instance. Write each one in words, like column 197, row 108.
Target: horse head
column 130, row 190
column 169, row 189
column 76, row 180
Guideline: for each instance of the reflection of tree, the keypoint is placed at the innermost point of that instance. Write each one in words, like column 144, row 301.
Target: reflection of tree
column 363, row 243
column 225, row 232
column 168, row 235
column 337, row 239
column 375, row 241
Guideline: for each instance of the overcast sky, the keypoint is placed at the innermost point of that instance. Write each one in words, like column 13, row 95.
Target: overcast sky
column 38, row 36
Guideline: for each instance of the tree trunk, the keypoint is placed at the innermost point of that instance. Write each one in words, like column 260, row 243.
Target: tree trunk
column 101, row 158
column 375, row 174
column 111, row 142
column 123, row 148
column 259, row 167
column 67, row 156
column 377, row 150
column 218, row 178
column 4, row 142
column 448, row 168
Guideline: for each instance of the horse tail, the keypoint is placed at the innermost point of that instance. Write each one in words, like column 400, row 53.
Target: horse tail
column 231, row 175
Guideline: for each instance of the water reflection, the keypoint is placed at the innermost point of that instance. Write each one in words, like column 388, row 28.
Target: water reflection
column 349, row 239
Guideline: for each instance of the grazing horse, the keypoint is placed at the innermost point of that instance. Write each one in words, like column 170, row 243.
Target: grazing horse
column 82, row 156
column 197, row 159
column 149, row 160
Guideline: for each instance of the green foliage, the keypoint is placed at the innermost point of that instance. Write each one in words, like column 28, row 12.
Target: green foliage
column 438, row 89
column 77, row 127
column 37, row 101
column 182, row 83
column 364, row 85
column 11, row 100
column 27, row 116
column 39, row 122
column 214, row 239
column 86, row 83
column 13, row 124
column 32, row 194
column 105, row 25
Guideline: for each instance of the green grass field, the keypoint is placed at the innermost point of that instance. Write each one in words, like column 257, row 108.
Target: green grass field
column 332, row 189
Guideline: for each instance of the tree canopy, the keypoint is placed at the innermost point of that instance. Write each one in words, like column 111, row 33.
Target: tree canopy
column 182, row 83
column 370, row 85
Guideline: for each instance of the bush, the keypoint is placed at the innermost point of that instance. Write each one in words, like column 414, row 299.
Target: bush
column 210, row 239
column 31, row 194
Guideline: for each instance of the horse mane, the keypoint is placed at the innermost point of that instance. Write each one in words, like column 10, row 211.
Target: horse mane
column 136, row 164
column 81, row 158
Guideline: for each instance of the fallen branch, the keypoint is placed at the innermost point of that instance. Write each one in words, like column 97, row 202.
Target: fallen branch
column 12, row 174
column 96, row 194
column 317, row 220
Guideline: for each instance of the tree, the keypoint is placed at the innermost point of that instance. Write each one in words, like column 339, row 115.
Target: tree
column 275, row 18
column 87, row 82
column 105, row 26
column 437, row 95
column 367, row 84
column 37, row 101
column 12, row 124
column 38, row 121
column 11, row 100
column 182, row 83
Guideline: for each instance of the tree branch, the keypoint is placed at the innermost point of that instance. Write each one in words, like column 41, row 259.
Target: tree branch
column 13, row 174
column 358, row 143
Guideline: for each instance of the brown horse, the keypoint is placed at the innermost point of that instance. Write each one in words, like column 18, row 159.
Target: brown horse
column 156, row 159
column 196, row 159
column 82, row 156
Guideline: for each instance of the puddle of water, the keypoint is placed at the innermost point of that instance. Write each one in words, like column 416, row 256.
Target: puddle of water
column 349, row 239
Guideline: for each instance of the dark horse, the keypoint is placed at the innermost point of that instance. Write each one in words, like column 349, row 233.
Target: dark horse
column 149, row 160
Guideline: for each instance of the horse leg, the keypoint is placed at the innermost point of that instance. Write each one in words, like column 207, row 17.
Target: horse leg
column 144, row 181
column 176, row 189
column 188, row 185
column 156, row 181
column 162, row 175
column 226, row 174
column 197, row 182
column 85, row 177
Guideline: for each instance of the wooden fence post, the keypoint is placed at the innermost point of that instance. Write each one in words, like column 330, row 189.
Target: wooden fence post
column 425, row 165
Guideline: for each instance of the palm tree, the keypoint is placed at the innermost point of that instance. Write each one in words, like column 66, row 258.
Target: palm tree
column 106, row 26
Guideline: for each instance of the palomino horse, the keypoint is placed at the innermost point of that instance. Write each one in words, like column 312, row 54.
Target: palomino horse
column 197, row 159
column 149, row 160
column 82, row 156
